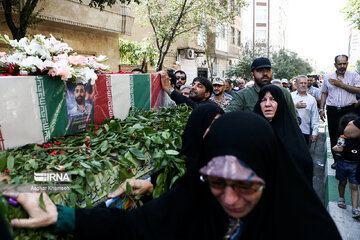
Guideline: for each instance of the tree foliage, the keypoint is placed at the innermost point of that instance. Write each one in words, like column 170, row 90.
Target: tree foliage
column 19, row 15
column 172, row 19
column 137, row 53
column 285, row 64
column 248, row 54
column 352, row 12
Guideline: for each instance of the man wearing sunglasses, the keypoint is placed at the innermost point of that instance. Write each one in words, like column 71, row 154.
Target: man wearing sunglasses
column 180, row 79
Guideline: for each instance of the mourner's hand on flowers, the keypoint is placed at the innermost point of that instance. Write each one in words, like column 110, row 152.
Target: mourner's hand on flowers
column 38, row 217
column 139, row 187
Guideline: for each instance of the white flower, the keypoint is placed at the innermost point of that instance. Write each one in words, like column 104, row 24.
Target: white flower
column 16, row 58
column 85, row 75
column 32, row 63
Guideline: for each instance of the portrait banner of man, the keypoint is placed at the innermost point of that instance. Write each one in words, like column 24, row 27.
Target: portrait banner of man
column 80, row 106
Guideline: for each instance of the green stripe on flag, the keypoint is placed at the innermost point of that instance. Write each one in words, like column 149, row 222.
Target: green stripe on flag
column 52, row 105
column 140, row 91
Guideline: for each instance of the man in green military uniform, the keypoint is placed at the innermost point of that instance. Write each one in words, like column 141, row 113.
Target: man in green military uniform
column 246, row 99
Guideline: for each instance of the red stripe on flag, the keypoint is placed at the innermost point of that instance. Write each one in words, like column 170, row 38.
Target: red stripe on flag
column 102, row 96
column 157, row 95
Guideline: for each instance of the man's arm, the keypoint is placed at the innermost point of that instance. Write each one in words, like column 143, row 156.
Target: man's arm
column 236, row 103
column 352, row 130
column 314, row 121
column 341, row 84
column 177, row 97
column 324, row 96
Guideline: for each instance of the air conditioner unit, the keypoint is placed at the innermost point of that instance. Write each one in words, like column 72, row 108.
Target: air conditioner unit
column 190, row 54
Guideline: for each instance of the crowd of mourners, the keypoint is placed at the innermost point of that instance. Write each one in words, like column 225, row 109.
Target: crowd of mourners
column 249, row 169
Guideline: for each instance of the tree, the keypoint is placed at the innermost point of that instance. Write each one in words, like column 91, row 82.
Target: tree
column 248, row 54
column 352, row 12
column 287, row 64
column 137, row 53
column 21, row 14
column 172, row 19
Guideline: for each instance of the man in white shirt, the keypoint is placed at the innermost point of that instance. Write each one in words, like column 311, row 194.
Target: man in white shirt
column 307, row 108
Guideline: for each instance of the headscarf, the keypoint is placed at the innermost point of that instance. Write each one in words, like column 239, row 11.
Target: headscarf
column 288, row 131
column 288, row 208
column 192, row 138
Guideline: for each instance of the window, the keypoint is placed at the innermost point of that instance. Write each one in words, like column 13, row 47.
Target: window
column 260, row 36
column 232, row 35
column 238, row 38
column 261, row 15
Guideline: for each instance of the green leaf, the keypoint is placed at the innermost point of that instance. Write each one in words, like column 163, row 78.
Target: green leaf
column 108, row 164
column 165, row 135
column 128, row 156
column 88, row 202
column 129, row 189
column 42, row 203
column 85, row 165
column 73, row 199
column 2, row 160
column 124, row 174
column 173, row 180
column 137, row 126
column 172, row 152
column 137, row 153
column 157, row 140
column 104, row 146
column 10, row 162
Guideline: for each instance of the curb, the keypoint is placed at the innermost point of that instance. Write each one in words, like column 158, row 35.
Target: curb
column 348, row 227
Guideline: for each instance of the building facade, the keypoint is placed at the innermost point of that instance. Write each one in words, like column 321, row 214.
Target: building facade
column 88, row 31
column 265, row 24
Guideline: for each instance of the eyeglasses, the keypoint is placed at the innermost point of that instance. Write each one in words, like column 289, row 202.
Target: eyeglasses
column 180, row 77
column 243, row 187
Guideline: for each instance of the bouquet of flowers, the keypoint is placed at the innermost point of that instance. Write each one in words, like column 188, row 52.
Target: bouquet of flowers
column 43, row 55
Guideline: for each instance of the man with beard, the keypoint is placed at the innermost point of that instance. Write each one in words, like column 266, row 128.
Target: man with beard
column 338, row 92
column 313, row 91
column 246, row 98
column 200, row 91
column 307, row 109
column 180, row 79
column 218, row 94
column 81, row 108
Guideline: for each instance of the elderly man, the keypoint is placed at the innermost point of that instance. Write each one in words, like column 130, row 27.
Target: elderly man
column 218, row 94
column 338, row 92
column 276, row 82
column 262, row 74
column 185, row 90
column 307, row 108
column 241, row 84
column 285, row 84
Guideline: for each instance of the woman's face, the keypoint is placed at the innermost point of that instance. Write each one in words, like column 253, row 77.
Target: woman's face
column 268, row 106
column 237, row 202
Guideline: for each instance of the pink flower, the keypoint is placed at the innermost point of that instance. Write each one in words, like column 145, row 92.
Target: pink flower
column 3, row 54
column 63, row 72
column 77, row 60
column 59, row 58
column 52, row 72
